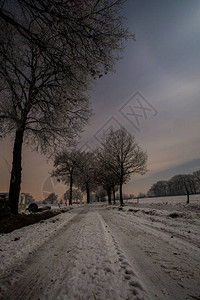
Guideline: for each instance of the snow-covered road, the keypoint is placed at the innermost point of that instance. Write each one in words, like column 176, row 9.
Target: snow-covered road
column 99, row 252
column 161, row 250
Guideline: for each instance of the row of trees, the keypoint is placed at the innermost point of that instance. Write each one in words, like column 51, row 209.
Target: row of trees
column 107, row 167
column 77, row 196
column 178, row 185
column 52, row 198
column 50, row 52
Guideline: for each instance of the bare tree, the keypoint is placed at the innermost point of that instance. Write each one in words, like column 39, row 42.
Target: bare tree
column 159, row 189
column 38, row 104
column 85, row 177
column 180, row 184
column 49, row 52
column 100, row 194
column 104, row 176
column 114, row 190
column 123, row 156
column 79, row 35
column 76, row 195
column 104, row 179
column 183, row 184
column 51, row 199
column 66, row 165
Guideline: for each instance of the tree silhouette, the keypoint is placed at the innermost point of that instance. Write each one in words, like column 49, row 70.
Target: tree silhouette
column 122, row 156
column 49, row 53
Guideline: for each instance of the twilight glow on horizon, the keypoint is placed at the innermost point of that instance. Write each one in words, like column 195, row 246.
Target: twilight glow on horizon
column 154, row 94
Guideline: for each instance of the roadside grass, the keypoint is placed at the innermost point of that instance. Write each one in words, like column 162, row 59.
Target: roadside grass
column 18, row 221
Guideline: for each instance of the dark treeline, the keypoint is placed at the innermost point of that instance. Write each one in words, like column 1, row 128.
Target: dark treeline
column 182, row 184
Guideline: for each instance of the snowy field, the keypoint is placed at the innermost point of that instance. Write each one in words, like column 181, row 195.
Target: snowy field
column 194, row 199
column 147, row 250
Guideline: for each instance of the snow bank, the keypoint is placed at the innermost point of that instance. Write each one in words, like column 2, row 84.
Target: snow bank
column 17, row 245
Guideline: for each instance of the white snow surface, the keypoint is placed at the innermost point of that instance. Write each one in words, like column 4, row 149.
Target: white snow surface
column 146, row 250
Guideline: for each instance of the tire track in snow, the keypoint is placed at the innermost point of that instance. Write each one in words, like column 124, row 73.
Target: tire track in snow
column 169, row 270
column 82, row 261
column 100, row 270
column 135, row 285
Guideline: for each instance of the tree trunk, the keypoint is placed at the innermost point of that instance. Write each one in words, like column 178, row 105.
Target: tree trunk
column 88, row 193
column 109, row 195
column 70, row 189
column 120, row 193
column 114, row 199
column 188, row 196
column 188, row 193
column 16, row 173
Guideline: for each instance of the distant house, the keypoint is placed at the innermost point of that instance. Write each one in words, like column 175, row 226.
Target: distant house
column 24, row 200
column 3, row 196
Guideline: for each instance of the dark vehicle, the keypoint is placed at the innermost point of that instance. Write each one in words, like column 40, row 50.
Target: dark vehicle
column 33, row 207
